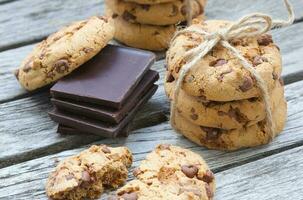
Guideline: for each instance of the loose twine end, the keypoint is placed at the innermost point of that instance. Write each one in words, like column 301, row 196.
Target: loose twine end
column 252, row 25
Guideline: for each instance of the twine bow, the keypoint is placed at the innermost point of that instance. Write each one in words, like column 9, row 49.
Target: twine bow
column 252, row 25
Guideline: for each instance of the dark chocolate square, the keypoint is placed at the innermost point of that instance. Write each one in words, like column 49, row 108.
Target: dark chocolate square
column 97, row 127
column 108, row 79
column 108, row 114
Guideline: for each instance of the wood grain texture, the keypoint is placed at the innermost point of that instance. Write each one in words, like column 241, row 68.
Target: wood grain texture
column 277, row 177
column 27, row 180
column 35, row 134
column 43, row 17
column 291, row 50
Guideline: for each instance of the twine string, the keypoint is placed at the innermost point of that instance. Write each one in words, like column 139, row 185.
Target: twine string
column 252, row 25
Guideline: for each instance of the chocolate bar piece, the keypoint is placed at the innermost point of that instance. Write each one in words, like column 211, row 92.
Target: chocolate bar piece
column 108, row 79
column 107, row 114
column 97, row 127
column 65, row 130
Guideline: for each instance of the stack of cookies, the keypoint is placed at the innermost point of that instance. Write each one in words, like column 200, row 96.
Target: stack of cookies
column 219, row 105
column 150, row 24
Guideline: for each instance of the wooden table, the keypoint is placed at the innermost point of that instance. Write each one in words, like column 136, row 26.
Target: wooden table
column 30, row 147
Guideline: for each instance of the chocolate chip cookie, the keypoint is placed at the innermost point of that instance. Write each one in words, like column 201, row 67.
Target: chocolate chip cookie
column 219, row 76
column 155, row 38
column 220, row 139
column 170, row 172
column 223, row 115
column 156, row 14
column 64, row 51
column 149, row 2
column 84, row 175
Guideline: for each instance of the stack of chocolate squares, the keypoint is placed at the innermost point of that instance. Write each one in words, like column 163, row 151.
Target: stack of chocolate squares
column 103, row 96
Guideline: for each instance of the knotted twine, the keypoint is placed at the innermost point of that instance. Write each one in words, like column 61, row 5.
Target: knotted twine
column 252, row 25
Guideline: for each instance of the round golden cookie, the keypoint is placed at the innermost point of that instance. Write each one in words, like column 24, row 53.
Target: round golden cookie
column 219, row 76
column 171, row 172
column 149, row 2
column 64, row 51
column 220, row 139
column 157, row 14
column 149, row 37
column 224, row 115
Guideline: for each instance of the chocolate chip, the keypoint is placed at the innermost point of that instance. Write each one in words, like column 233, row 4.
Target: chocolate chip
column 190, row 79
column 275, row 76
column 208, row 177
column 218, row 62
column 145, row 7
column 85, row 176
column 61, row 66
column 259, row 60
column 28, row 66
column 211, row 133
column 209, row 192
column 189, row 170
column 247, row 84
column 164, row 146
column 170, row 78
column 87, row 49
column 236, row 114
column 265, row 40
column 130, row 196
column 105, row 149
column 220, row 78
column 69, row 177
column 102, row 18
column 192, row 110
column 50, row 75
column 136, row 172
column 184, row 10
column 115, row 15
column 16, row 73
column 281, row 81
column 194, row 117
column 128, row 16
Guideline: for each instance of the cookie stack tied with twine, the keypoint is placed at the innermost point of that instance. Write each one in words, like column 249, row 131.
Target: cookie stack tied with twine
column 150, row 24
column 224, row 82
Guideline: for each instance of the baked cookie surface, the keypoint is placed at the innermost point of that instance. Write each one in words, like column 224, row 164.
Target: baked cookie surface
column 219, row 76
column 170, row 172
column 64, row 51
column 223, row 115
column 214, row 138
column 149, row 37
column 149, row 2
column 156, row 14
column 85, row 175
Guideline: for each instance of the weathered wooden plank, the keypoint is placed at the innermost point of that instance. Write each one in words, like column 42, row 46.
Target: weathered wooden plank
column 276, row 177
column 35, row 19
column 35, row 134
column 233, row 10
column 291, row 50
column 26, row 180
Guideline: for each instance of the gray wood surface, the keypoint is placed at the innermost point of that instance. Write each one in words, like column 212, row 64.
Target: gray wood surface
column 30, row 147
column 43, row 17
column 274, row 177
column 277, row 177
column 30, row 140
